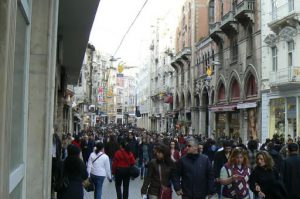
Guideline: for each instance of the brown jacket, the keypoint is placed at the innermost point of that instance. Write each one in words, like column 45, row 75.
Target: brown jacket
column 152, row 181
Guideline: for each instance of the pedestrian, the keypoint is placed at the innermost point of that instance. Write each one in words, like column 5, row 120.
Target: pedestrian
column 144, row 156
column 264, row 180
column 121, row 163
column 235, row 175
column 175, row 155
column 111, row 148
column 98, row 168
column 85, row 148
column 76, row 173
column 221, row 157
column 160, row 175
column 194, row 174
column 252, row 153
column 291, row 172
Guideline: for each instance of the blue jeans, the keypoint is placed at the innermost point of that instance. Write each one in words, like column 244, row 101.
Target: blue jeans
column 98, row 182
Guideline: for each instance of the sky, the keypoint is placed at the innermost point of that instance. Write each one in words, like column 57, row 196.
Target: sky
column 114, row 17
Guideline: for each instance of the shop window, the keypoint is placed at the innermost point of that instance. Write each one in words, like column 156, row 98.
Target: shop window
column 220, row 124
column 234, row 124
column 251, row 89
column 291, row 5
column 277, row 117
column 221, row 94
column 291, row 116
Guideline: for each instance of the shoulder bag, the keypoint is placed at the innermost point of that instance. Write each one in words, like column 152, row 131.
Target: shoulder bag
column 87, row 184
column 165, row 192
column 134, row 171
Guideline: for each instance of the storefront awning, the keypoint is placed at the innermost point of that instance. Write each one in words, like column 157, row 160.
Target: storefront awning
column 246, row 105
column 223, row 108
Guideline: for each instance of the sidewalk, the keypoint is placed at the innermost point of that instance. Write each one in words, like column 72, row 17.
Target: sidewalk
column 109, row 191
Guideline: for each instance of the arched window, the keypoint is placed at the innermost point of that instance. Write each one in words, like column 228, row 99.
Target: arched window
column 221, row 92
column 235, row 90
column 249, row 40
column 251, row 89
column 211, row 12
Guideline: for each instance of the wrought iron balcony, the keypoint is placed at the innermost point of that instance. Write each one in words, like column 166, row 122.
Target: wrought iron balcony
column 285, row 77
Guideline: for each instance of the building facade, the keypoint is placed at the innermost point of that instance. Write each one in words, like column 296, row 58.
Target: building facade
column 41, row 51
column 281, row 71
column 235, row 27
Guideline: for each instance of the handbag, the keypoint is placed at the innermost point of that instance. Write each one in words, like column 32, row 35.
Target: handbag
column 164, row 192
column 134, row 171
column 88, row 185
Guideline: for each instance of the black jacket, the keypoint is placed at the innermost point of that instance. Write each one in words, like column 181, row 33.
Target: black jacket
column 291, row 175
column 267, row 180
column 194, row 175
column 219, row 161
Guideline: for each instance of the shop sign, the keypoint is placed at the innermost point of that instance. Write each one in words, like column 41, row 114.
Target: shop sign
column 247, row 105
column 223, row 108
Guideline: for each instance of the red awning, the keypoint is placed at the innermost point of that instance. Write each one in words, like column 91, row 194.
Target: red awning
column 223, row 108
column 169, row 99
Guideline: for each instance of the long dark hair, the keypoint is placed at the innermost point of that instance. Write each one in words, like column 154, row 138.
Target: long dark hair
column 125, row 146
column 99, row 147
column 165, row 150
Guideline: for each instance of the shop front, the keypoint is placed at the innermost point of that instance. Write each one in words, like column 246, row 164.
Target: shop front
column 284, row 116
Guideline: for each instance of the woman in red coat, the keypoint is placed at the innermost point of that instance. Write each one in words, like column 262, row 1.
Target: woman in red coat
column 123, row 159
column 175, row 155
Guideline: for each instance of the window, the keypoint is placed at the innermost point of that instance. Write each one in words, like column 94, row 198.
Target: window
column 222, row 8
column 274, row 59
column 290, row 53
column 274, row 10
column 211, row 12
column 234, row 49
column 249, row 41
column 251, row 89
column 291, row 5
column 221, row 94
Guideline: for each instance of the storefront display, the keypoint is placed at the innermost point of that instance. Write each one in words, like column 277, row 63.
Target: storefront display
column 292, row 116
column 234, row 124
column 277, row 116
column 252, row 131
column 220, row 124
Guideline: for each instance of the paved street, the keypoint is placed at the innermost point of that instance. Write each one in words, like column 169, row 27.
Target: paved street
column 109, row 191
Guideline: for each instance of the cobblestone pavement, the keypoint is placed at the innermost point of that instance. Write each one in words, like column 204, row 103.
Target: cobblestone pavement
column 109, row 191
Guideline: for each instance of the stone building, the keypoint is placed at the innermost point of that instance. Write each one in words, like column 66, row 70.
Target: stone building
column 234, row 100
column 280, row 68
column 42, row 44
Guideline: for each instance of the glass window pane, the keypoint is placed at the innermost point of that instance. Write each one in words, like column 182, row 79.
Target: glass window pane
column 17, row 129
column 291, row 116
column 17, row 192
column 277, row 116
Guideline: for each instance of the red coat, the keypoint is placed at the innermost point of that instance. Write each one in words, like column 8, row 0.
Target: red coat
column 176, row 155
column 122, row 159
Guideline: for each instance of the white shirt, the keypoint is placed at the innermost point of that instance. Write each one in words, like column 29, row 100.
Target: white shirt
column 101, row 167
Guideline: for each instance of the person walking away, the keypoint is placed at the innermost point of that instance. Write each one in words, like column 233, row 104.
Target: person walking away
column 160, row 175
column 291, row 173
column 235, row 175
column 85, row 149
column 144, row 156
column 133, row 144
column 98, row 168
column 56, row 159
column 121, row 163
column 75, row 170
column 194, row 174
column 264, row 180
column 111, row 148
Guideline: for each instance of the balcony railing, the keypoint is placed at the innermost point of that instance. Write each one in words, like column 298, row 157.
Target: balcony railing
column 228, row 17
column 283, row 11
column 245, row 5
column 285, row 76
column 214, row 27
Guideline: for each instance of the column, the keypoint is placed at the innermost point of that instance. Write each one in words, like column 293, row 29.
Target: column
column 41, row 98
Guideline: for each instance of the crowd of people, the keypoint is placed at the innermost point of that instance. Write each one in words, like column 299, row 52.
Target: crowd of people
column 195, row 167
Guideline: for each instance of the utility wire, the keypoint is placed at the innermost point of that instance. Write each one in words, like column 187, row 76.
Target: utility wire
column 130, row 27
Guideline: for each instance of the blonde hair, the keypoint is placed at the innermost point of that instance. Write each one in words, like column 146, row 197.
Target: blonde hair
column 235, row 152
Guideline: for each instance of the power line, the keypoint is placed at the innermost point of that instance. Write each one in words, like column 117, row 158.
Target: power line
column 130, row 27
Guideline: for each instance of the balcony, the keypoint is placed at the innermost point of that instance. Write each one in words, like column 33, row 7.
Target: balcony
column 228, row 23
column 215, row 32
column 245, row 11
column 284, row 77
column 284, row 15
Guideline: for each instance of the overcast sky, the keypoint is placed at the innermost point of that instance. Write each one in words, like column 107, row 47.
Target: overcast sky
column 114, row 18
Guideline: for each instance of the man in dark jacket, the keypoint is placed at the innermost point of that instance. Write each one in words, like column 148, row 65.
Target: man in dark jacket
column 291, row 172
column 194, row 174
column 133, row 144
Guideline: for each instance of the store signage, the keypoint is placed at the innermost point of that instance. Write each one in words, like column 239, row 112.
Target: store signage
column 247, row 105
column 120, row 75
column 223, row 108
